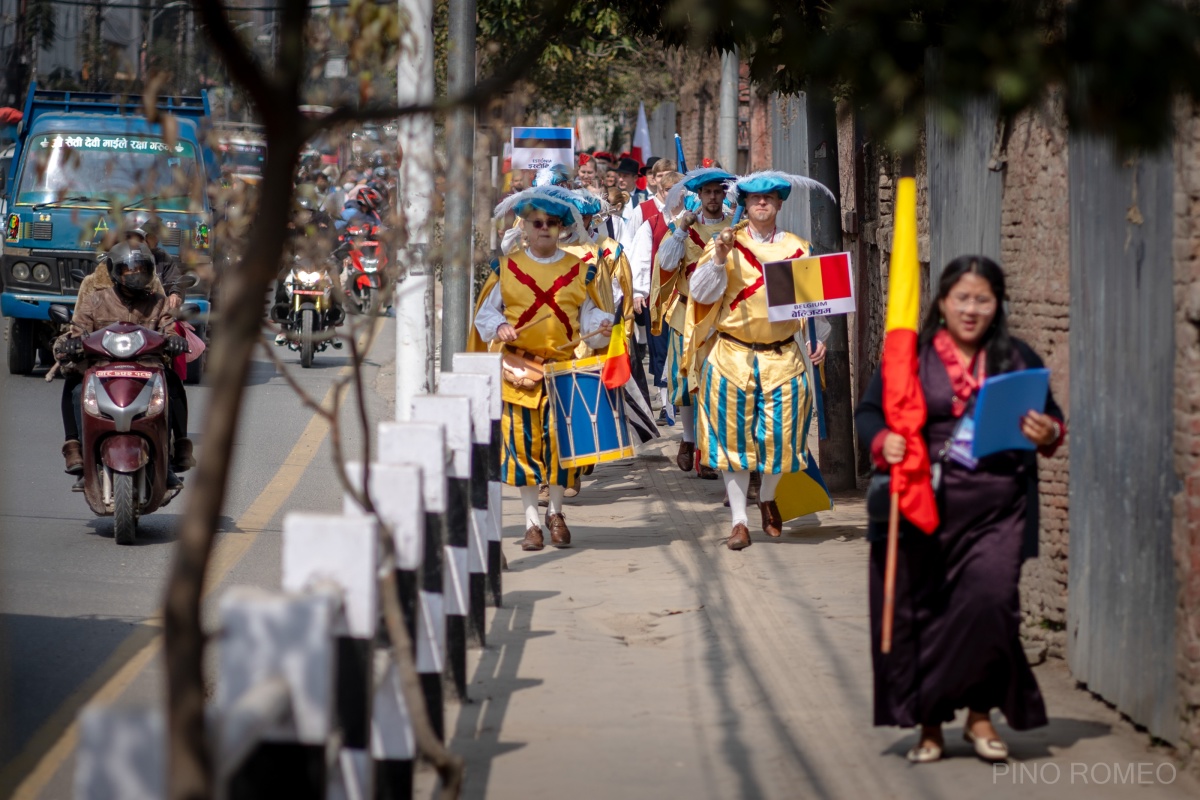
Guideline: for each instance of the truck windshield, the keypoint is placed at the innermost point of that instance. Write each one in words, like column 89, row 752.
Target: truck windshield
column 60, row 169
column 246, row 159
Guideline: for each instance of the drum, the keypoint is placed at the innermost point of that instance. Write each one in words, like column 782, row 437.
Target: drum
column 587, row 421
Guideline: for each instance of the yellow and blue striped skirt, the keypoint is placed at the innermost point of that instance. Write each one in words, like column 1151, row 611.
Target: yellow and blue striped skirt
column 528, row 455
column 749, row 429
column 677, row 387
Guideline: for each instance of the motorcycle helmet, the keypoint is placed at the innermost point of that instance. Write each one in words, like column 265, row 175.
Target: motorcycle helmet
column 131, row 267
column 382, row 188
column 370, row 200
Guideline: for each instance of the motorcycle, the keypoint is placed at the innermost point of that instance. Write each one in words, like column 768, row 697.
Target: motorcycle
column 363, row 269
column 308, row 311
column 125, row 435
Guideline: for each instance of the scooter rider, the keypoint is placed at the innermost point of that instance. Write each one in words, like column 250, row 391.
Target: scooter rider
column 131, row 298
column 311, row 235
column 145, row 231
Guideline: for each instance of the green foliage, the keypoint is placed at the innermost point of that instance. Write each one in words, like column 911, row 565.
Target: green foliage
column 1120, row 63
column 592, row 61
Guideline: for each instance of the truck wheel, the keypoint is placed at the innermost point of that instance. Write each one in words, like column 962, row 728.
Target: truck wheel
column 124, row 516
column 195, row 369
column 22, row 350
column 306, row 337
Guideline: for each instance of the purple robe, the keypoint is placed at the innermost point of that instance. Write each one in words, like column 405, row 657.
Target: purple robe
column 956, row 636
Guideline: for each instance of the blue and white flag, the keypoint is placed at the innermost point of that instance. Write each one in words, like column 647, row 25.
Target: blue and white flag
column 538, row 148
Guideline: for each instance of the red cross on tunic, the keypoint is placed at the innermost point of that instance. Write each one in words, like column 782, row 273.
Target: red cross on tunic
column 760, row 280
column 545, row 298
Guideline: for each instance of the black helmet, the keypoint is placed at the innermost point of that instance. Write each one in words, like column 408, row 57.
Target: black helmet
column 132, row 267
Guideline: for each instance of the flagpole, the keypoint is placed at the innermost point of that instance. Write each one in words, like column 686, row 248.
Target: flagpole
column 889, row 575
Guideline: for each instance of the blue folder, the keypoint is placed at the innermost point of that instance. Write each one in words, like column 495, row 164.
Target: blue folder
column 1003, row 401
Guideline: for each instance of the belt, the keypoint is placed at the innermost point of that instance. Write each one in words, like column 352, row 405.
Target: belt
column 758, row 347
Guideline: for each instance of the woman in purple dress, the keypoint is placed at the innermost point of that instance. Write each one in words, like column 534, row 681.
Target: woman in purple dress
column 956, row 641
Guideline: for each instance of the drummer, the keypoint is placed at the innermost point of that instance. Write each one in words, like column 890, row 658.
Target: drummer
column 538, row 303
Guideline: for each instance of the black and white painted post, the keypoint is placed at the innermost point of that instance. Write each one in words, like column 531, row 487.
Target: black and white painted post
column 276, row 697
column 340, row 551
column 396, row 491
column 488, row 364
column 423, row 444
column 122, row 754
column 477, row 389
column 455, row 414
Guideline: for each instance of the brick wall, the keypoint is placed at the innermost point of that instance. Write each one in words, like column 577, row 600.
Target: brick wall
column 1035, row 250
column 1187, row 429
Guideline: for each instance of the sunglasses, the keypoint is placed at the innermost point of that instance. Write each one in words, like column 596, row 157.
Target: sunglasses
column 539, row 224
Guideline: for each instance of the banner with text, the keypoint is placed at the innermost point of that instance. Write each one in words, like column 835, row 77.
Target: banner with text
column 538, row 148
column 816, row 286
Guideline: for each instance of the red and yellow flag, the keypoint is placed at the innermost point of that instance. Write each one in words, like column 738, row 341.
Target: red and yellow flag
column 903, row 399
column 616, row 371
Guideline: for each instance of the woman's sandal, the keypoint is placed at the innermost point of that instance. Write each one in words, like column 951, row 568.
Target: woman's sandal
column 925, row 753
column 994, row 750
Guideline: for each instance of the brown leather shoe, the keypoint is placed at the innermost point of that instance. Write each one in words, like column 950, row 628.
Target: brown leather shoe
column 73, row 453
column 685, row 459
column 560, row 534
column 739, row 538
column 184, row 460
column 772, row 521
column 755, row 482
column 533, row 539
column 707, row 473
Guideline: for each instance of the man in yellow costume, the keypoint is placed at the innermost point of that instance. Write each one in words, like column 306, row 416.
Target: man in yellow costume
column 753, row 391
column 678, row 255
column 538, row 303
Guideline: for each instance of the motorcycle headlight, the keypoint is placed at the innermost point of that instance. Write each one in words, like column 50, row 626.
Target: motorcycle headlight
column 158, row 397
column 308, row 277
column 123, row 345
column 370, row 264
column 90, row 405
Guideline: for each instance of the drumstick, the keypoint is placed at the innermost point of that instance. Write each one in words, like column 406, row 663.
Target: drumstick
column 528, row 325
column 580, row 338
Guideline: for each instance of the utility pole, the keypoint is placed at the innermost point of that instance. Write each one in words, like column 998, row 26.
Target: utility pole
column 836, row 451
column 414, row 290
column 727, row 124
column 460, row 152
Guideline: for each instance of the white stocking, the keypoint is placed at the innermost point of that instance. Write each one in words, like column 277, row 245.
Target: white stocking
column 687, row 416
column 736, row 484
column 557, row 495
column 529, row 500
column 769, row 484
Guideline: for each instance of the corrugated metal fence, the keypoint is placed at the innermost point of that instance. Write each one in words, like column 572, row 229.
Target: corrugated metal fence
column 964, row 195
column 1121, row 608
column 789, row 153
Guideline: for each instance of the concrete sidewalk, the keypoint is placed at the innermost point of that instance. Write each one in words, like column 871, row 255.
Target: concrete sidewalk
column 647, row 661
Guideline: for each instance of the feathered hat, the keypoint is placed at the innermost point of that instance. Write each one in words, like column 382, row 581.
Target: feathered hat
column 586, row 203
column 694, row 180
column 775, row 181
column 554, row 175
column 553, row 200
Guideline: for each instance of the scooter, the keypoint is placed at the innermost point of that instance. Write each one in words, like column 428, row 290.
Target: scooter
column 126, row 438
column 364, row 270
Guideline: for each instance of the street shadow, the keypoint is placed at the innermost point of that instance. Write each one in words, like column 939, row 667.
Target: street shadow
column 53, row 665
column 477, row 734
column 1060, row 733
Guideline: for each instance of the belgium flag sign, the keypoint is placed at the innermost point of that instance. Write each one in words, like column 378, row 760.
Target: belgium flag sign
column 814, row 286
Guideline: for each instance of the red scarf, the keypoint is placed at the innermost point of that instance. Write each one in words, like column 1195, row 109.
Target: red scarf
column 965, row 377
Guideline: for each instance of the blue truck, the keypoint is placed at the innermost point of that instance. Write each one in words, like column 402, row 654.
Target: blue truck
column 85, row 164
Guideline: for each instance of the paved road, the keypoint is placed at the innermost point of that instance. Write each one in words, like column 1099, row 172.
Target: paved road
column 75, row 607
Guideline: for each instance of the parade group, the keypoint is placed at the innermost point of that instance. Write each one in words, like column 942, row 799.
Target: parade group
column 676, row 270
column 593, row 266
